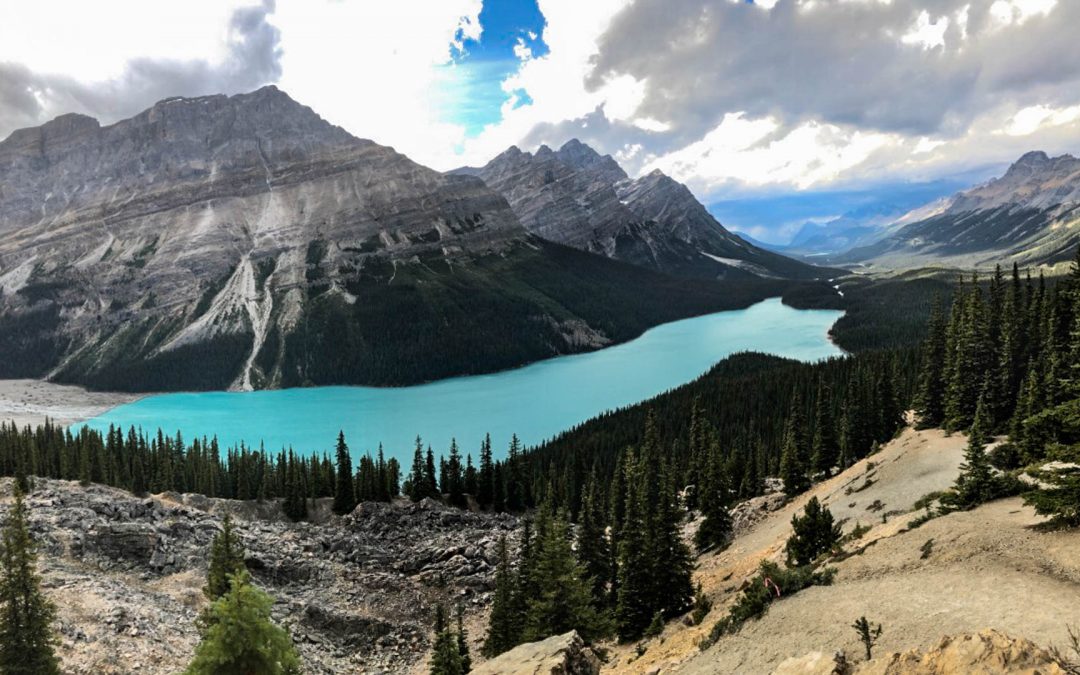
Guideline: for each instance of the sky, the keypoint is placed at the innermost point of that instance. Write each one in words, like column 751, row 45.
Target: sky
column 743, row 101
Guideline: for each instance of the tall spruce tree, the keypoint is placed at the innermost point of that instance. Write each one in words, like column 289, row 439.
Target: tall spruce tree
column 593, row 547
column 715, row 528
column 633, row 609
column 563, row 598
column 226, row 560
column 26, row 615
column 462, row 639
column 502, row 632
column 930, row 398
column 485, row 490
column 824, row 451
column 344, row 492
column 793, row 461
column 977, row 482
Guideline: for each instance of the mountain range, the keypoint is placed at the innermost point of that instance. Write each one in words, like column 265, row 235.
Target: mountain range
column 1030, row 215
column 575, row 196
column 244, row 242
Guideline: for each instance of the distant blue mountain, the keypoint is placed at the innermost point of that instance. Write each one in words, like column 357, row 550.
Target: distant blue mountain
column 815, row 224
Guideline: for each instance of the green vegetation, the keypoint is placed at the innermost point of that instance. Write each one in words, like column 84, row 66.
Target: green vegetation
column 868, row 634
column 26, row 615
column 242, row 638
column 770, row 585
column 449, row 653
column 814, row 535
column 226, row 560
column 139, row 463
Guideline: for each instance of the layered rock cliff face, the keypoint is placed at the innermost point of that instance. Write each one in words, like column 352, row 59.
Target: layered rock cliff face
column 577, row 197
column 212, row 218
column 245, row 242
column 1030, row 215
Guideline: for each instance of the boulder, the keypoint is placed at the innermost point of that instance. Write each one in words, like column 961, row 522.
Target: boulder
column 564, row 654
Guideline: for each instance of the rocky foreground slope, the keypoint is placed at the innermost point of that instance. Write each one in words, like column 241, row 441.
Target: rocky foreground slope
column 357, row 593
column 959, row 574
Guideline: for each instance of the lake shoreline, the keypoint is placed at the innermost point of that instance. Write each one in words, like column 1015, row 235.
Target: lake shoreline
column 534, row 402
column 32, row 402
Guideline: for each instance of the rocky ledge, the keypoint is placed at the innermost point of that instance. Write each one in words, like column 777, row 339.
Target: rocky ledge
column 357, row 592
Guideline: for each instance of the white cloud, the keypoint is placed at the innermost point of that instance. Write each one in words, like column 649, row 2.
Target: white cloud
column 89, row 41
column 927, row 33
column 1031, row 119
column 376, row 68
column 748, row 151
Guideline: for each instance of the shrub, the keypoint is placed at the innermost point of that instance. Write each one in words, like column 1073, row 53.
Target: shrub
column 815, row 534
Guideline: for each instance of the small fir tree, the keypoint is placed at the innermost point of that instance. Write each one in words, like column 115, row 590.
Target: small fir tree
column 814, row 534
column 242, row 639
column 868, row 634
column 445, row 656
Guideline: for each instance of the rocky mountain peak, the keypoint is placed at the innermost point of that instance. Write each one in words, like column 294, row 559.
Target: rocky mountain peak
column 580, row 156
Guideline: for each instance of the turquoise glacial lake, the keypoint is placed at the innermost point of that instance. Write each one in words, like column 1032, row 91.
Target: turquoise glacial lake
column 536, row 402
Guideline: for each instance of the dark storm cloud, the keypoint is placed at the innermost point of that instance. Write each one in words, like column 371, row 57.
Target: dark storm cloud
column 837, row 61
column 28, row 98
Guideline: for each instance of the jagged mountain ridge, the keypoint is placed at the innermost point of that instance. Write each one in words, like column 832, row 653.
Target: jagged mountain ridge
column 244, row 242
column 577, row 197
column 1029, row 215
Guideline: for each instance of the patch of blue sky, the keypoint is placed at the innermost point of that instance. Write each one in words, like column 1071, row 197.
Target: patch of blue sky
column 472, row 93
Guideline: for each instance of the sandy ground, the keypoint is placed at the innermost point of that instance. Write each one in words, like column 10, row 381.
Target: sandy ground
column 32, row 401
column 988, row 568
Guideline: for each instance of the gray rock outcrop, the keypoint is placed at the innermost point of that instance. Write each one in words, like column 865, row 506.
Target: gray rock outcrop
column 577, row 197
column 356, row 592
column 564, row 654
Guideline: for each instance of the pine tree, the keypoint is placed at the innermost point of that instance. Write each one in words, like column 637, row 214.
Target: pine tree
column 715, row 528
column 242, row 638
column 976, row 483
column 463, row 640
column 455, row 476
column 417, row 484
column 593, row 547
column 502, row 631
column 445, row 656
column 930, row 399
column 485, row 490
column 672, row 589
column 344, row 493
column 26, row 615
column 226, row 559
column 515, row 481
column 824, row 452
column 563, row 598
column 633, row 610
column 1059, row 496
column 431, row 485
column 814, row 534
column 793, row 468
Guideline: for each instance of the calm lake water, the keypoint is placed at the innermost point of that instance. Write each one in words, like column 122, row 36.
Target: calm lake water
column 536, row 402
